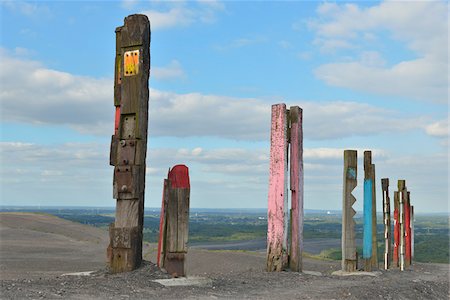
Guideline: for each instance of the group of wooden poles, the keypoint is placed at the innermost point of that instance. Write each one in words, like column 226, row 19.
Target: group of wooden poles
column 285, row 227
column 403, row 243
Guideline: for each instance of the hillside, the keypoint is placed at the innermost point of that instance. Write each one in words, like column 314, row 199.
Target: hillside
column 37, row 249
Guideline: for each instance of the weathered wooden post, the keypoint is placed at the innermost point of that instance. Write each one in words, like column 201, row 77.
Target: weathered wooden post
column 174, row 221
column 278, row 202
column 296, row 185
column 395, row 257
column 374, row 259
column 286, row 127
column 387, row 222
column 412, row 233
column 407, row 230
column 129, row 142
column 367, row 229
column 349, row 256
column 401, row 211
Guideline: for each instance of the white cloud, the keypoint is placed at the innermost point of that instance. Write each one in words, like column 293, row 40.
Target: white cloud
column 438, row 129
column 27, row 8
column 421, row 25
column 79, row 174
column 173, row 70
column 181, row 15
column 31, row 93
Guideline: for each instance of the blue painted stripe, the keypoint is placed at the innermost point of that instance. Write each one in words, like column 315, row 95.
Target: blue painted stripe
column 367, row 237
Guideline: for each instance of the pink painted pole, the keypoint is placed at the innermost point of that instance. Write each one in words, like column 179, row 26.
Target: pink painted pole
column 277, row 204
column 296, row 185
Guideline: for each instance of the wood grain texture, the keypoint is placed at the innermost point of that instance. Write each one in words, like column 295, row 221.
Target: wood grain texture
column 395, row 254
column 277, row 198
column 162, row 225
column 387, row 223
column 349, row 257
column 296, row 186
column 129, row 144
column 174, row 236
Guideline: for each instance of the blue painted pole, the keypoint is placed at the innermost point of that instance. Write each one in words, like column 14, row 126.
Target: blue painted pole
column 367, row 234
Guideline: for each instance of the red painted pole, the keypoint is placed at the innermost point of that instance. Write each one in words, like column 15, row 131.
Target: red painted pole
column 396, row 230
column 162, row 226
column 117, row 120
column 407, row 231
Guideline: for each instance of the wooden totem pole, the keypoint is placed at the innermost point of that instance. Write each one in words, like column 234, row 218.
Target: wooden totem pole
column 402, row 195
column 174, row 221
column 395, row 255
column 129, row 142
column 286, row 129
column 387, row 222
column 349, row 255
column 370, row 214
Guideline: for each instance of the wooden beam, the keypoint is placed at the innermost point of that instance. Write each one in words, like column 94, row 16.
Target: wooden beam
column 407, row 230
column 386, row 222
column 296, row 186
column 277, row 199
column 175, row 236
column 349, row 256
column 395, row 255
column 129, row 142
column 402, row 194
column 367, row 228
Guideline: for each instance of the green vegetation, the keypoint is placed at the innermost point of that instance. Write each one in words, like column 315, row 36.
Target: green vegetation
column 210, row 226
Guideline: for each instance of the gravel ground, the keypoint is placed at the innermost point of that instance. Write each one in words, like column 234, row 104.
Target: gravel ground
column 234, row 274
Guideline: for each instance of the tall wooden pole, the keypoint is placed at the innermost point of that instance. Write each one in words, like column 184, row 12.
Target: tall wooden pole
column 387, row 222
column 129, row 142
column 374, row 260
column 367, row 236
column 412, row 233
column 277, row 254
column 401, row 212
column 349, row 256
column 395, row 256
column 296, row 185
column 407, row 230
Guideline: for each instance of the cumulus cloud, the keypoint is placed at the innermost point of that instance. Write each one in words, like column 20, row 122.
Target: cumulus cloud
column 180, row 15
column 223, row 177
column 349, row 26
column 438, row 129
column 34, row 94
column 171, row 71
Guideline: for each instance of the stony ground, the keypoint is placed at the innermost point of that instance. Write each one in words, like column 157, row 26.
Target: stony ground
column 234, row 275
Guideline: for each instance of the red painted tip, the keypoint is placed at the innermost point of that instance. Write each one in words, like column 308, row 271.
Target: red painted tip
column 179, row 177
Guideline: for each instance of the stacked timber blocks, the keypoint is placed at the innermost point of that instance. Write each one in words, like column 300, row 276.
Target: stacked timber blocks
column 129, row 142
column 174, row 221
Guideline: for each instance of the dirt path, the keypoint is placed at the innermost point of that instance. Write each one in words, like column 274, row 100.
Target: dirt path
column 35, row 254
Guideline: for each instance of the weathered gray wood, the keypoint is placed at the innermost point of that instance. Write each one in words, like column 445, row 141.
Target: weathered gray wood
column 175, row 236
column 129, row 144
column 349, row 256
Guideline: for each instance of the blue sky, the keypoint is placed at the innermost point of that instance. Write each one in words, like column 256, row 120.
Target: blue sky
column 368, row 75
